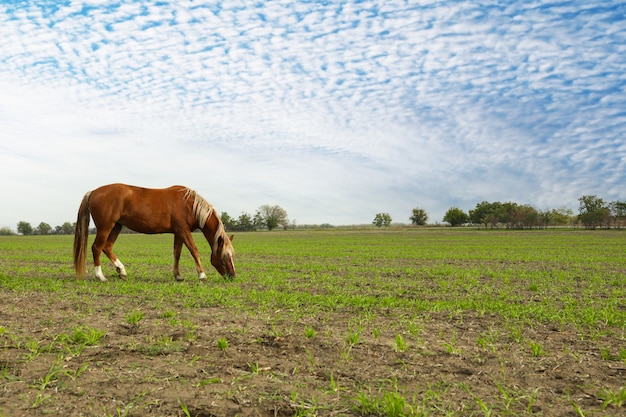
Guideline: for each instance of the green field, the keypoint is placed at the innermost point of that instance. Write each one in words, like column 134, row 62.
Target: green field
column 360, row 322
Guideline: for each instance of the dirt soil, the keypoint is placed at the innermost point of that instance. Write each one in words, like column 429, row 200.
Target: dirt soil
column 171, row 365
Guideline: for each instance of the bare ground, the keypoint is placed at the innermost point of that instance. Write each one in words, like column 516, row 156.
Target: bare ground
column 169, row 362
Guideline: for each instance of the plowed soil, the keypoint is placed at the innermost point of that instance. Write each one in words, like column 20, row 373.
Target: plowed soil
column 168, row 363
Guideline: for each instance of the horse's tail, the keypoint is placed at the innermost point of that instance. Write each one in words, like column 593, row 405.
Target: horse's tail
column 80, row 236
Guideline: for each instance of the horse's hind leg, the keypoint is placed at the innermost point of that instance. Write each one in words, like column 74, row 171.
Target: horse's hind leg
column 178, row 247
column 97, row 247
column 108, row 251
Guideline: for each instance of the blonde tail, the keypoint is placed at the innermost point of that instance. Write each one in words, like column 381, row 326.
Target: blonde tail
column 80, row 236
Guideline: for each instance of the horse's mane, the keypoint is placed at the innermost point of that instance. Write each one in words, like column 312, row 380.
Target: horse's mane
column 203, row 210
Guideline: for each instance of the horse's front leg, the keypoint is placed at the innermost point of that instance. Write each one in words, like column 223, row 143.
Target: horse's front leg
column 187, row 239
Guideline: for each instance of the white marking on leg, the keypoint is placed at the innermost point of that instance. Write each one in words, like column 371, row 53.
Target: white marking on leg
column 201, row 274
column 99, row 273
column 119, row 266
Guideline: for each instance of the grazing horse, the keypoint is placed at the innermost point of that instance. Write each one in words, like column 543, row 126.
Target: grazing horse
column 178, row 210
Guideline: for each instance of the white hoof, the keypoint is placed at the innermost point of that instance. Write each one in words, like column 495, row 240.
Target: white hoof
column 99, row 274
column 121, row 271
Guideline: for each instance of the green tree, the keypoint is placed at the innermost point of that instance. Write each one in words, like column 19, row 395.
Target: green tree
column 555, row 217
column 456, row 217
column 382, row 219
column 245, row 222
column 563, row 216
column 419, row 217
column 43, row 229
column 618, row 212
column 526, row 217
column 257, row 220
column 228, row 222
column 592, row 211
column 489, row 213
column 24, row 228
column 507, row 214
column 272, row 216
column 497, row 213
column 6, row 231
column 67, row 228
column 480, row 213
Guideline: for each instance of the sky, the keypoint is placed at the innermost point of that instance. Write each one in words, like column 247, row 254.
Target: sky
column 335, row 111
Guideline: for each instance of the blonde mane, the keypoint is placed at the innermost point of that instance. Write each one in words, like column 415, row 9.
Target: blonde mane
column 203, row 210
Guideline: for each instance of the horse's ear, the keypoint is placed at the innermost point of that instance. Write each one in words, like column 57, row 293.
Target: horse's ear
column 231, row 237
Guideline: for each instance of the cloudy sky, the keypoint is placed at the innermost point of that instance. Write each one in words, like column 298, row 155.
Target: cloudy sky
column 335, row 111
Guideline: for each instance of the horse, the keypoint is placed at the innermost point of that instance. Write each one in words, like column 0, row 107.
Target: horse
column 177, row 209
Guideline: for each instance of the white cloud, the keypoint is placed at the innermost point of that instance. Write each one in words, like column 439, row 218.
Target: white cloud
column 336, row 111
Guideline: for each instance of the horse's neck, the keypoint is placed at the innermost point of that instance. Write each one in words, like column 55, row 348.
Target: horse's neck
column 210, row 229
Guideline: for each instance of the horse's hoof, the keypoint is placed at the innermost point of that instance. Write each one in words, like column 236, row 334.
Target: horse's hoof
column 123, row 277
column 179, row 278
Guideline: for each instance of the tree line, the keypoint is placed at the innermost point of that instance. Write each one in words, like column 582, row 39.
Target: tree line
column 266, row 217
column 593, row 212
column 25, row 228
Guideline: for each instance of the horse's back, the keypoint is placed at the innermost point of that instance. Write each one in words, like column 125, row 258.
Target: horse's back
column 146, row 210
column 120, row 192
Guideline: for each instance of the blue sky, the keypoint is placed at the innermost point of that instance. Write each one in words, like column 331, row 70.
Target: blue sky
column 335, row 111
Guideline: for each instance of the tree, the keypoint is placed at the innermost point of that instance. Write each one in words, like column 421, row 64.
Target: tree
column 456, row 217
column 562, row 215
column 245, row 222
column 257, row 220
column 507, row 214
column 479, row 214
column 272, row 216
column 618, row 212
column 66, row 229
column 592, row 211
column 526, row 217
column 496, row 214
column 6, row 231
column 490, row 213
column 419, row 217
column 382, row 219
column 555, row 217
column 24, row 228
column 43, row 229
column 228, row 222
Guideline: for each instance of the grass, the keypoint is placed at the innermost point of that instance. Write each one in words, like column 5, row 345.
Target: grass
column 222, row 343
column 610, row 398
column 409, row 321
column 401, row 345
column 425, row 271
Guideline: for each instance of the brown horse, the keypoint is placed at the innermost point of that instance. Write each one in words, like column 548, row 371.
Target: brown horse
column 178, row 210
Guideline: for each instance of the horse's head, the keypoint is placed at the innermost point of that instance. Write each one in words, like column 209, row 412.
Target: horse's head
column 222, row 256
